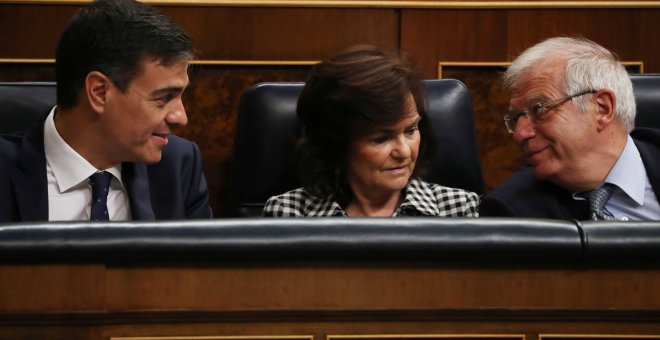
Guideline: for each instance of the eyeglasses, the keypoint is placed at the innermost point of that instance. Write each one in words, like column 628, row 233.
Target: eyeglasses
column 539, row 111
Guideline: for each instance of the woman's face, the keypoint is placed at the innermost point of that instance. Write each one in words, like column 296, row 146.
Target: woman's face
column 381, row 161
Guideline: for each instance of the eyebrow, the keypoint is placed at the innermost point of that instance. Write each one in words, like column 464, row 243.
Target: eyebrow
column 167, row 90
column 537, row 100
column 531, row 101
column 390, row 129
column 417, row 120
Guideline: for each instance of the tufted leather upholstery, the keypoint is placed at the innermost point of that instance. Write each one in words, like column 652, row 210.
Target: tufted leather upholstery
column 22, row 104
column 267, row 123
column 647, row 97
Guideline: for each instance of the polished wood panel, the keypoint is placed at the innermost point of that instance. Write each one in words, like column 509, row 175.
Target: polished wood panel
column 326, row 300
column 354, row 287
column 52, row 288
column 283, row 34
column 32, row 31
column 27, row 71
column 297, row 288
column 433, row 36
column 220, row 32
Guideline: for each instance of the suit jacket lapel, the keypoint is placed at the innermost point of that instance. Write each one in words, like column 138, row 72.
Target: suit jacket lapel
column 136, row 179
column 650, row 156
column 29, row 177
column 575, row 210
column 571, row 208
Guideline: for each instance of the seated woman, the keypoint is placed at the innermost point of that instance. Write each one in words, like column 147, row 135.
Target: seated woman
column 365, row 140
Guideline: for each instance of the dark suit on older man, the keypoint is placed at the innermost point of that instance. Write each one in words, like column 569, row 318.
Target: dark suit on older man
column 522, row 195
column 174, row 188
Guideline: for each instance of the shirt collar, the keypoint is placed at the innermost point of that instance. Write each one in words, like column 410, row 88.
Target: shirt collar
column 323, row 207
column 629, row 173
column 69, row 167
column 419, row 197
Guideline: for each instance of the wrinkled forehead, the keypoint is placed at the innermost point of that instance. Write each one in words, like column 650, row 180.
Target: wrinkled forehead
column 540, row 80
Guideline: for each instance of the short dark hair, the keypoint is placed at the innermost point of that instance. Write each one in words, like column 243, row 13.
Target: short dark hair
column 357, row 90
column 114, row 37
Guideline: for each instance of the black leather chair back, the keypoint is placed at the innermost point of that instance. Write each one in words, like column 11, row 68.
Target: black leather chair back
column 24, row 103
column 647, row 97
column 468, row 241
column 267, row 123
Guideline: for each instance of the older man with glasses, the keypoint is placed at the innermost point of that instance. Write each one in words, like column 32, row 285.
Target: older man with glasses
column 572, row 113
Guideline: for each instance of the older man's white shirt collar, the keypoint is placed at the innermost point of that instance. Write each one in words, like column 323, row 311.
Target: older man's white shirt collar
column 629, row 173
column 69, row 168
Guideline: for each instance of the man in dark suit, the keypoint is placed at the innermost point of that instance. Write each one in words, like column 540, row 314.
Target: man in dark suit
column 105, row 151
column 572, row 111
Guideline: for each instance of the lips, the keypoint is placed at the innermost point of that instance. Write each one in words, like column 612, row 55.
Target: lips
column 398, row 169
column 162, row 137
column 530, row 147
column 531, row 154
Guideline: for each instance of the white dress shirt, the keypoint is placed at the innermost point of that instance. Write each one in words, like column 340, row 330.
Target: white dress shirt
column 633, row 198
column 69, row 192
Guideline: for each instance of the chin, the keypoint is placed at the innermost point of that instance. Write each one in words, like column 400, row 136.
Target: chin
column 398, row 185
column 151, row 158
column 543, row 172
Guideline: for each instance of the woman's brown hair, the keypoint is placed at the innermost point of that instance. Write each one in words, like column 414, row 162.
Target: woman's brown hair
column 356, row 91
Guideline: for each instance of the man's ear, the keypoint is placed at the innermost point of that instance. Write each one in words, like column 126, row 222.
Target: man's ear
column 96, row 89
column 605, row 108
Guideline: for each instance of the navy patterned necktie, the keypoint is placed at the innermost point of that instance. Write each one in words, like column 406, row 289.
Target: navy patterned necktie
column 100, row 182
column 597, row 199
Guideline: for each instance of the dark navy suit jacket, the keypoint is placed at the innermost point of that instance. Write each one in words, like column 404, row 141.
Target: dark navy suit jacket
column 522, row 195
column 174, row 188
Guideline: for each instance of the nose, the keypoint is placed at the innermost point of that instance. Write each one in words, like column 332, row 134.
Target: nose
column 523, row 130
column 178, row 116
column 402, row 149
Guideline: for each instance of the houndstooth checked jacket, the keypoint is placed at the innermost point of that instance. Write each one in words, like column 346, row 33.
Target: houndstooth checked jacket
column 421, row 199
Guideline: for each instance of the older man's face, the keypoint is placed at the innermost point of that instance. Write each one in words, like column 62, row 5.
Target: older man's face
column 556, row 145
